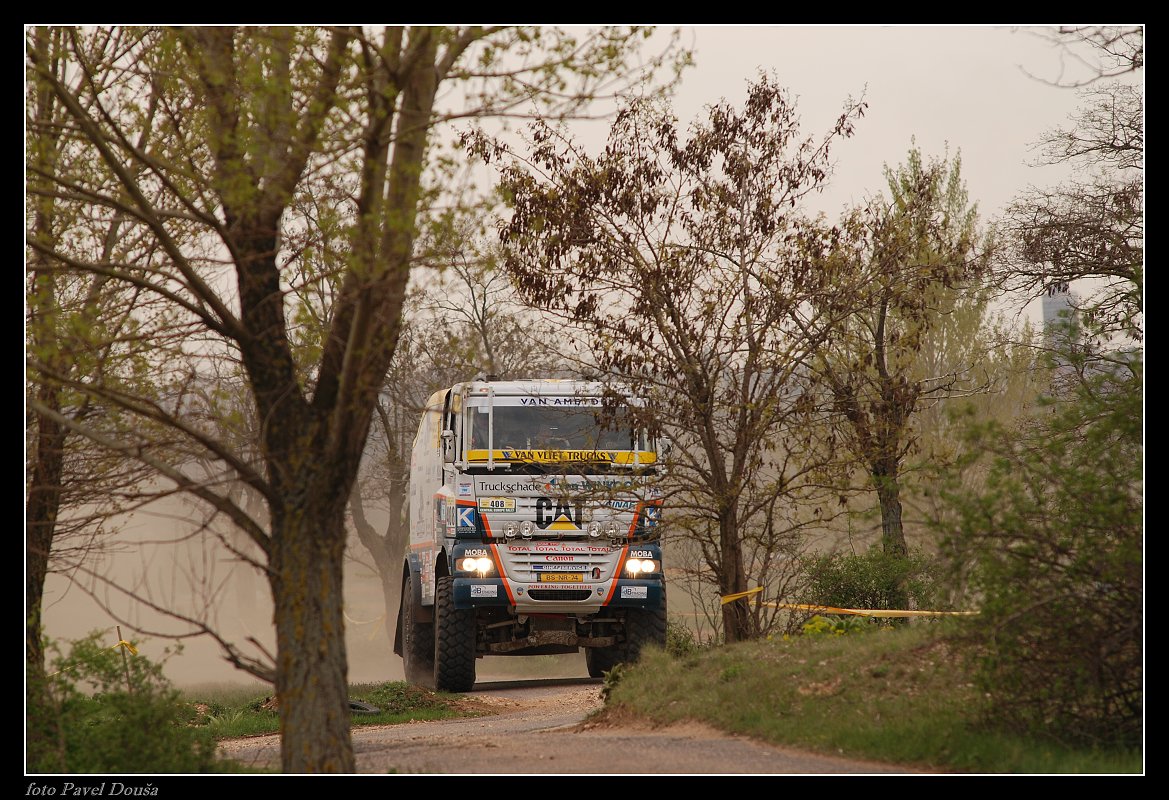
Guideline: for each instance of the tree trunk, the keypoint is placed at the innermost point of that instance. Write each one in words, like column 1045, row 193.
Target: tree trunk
column 386, row 550
column 397, row 538
column 892, row 534
column 40, row 524
column 888, row 487
column 733, row 579
column 312, row 666
column 42, row 505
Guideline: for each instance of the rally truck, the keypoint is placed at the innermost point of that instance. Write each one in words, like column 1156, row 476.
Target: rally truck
column 535, row 529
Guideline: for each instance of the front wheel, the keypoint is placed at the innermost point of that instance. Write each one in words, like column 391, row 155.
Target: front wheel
column 417, row 641
column 600, row 660
column 454, row 641
column 643, row 628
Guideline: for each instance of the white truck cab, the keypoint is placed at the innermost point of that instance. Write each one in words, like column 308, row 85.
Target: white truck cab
column 534, row 528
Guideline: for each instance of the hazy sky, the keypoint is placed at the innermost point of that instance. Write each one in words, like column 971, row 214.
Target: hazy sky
column 961, row 86
column 986, row 92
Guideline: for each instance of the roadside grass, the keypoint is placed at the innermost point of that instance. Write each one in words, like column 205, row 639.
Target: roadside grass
column 892, row 695
column 888, row 694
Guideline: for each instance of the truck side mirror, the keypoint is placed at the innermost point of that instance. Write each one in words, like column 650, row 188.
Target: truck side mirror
column 448, row 446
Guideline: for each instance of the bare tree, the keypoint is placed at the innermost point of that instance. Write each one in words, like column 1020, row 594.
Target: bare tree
column 1091, row 53
column 1089, row 231
column 693, row 277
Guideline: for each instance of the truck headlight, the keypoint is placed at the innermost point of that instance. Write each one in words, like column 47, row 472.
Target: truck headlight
column 594, row 529
column 526, row 528
column 510, row 530
column 480, row 565
column 640, row 566
column 611, row 529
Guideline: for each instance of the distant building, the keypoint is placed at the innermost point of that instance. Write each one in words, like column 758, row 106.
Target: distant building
column 1057, row 306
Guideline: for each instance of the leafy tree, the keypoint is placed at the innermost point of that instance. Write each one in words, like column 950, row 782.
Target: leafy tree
column 689, row 269
column 80, row 326
column 255, row 121
column 905, row 259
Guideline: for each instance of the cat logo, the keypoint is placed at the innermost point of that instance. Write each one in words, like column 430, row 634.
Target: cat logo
column 559, row 515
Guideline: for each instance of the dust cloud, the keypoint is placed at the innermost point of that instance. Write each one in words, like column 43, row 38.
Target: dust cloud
column 169, row 570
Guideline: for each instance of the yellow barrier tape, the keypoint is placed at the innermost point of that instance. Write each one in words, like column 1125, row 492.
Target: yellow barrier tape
column 862, row 612
column 884, row 613
column 121, row 643
column 730, row 598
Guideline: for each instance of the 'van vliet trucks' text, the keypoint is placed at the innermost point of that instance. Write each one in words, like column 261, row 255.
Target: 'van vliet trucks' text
column 535, row 516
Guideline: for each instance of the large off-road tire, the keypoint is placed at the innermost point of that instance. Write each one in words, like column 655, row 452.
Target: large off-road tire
column 417, row 641
column 454, row 641
column 600, row 660
column 642, row 628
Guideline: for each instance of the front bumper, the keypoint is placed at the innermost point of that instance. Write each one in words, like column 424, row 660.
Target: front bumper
column 534, row 598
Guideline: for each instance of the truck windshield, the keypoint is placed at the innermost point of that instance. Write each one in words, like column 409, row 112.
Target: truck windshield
column 551, row 428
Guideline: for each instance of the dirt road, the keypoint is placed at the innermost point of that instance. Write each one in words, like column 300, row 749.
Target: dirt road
column 540, row 728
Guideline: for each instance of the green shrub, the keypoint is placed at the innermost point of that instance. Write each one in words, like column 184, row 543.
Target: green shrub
column 872, row 580
column 680, row 641
column 612, row 679
column 835, row 625
column 98, row 713
column 1053, row 541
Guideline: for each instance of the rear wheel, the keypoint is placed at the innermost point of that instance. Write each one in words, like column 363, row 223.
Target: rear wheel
column 417, row 641
column 454, row 641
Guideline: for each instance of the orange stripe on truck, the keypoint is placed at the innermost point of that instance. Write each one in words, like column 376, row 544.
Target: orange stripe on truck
column 502, row 574
column 617, row 574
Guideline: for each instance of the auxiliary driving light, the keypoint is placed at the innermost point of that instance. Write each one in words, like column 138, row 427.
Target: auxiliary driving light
column 526, row 528
column 594, row 529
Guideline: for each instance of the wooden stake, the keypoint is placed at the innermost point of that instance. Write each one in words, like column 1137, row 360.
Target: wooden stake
column 125, row 661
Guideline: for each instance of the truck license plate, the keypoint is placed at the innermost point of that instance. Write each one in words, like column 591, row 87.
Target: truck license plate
column 560, row 577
